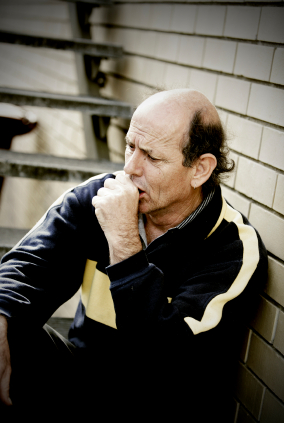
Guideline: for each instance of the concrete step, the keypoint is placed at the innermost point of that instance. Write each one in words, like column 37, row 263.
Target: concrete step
column 85, row 104
column 85, row 46
column 10, row 237
column 46, row 167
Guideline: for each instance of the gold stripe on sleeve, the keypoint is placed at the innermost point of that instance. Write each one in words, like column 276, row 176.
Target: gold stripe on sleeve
column 213, row 312
column 96, row 295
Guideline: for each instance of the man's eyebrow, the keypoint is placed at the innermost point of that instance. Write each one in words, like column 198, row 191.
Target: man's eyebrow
column 146, row 150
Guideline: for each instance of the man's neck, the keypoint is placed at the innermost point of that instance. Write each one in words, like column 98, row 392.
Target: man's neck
column 160, row 222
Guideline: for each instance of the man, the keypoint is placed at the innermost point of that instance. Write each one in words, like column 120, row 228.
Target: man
column 168, row 269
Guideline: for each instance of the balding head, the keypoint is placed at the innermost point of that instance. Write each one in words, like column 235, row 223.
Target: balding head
column 179, row 106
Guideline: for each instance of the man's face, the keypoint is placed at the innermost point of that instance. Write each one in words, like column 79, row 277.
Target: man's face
column 154, row 159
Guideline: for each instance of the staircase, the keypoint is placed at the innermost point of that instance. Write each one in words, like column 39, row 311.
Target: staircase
column 96, row 110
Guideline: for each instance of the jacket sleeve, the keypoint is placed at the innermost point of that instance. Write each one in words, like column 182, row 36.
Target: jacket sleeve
column 205, row 303
column 44, row 269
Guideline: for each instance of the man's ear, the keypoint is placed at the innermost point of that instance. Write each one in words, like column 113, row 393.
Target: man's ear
column 205, row 165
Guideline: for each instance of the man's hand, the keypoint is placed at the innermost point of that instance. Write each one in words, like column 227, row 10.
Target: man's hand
column 5, row 364
column 117, row 211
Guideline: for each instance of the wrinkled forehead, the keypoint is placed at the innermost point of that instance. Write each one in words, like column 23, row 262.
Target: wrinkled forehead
column 160, row 119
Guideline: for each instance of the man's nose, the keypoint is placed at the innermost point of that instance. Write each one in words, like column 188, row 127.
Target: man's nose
column 134, row 164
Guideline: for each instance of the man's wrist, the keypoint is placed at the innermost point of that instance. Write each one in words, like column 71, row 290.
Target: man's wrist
column 123, row 249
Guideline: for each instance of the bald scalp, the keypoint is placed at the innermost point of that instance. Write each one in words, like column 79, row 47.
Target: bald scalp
column 185, row 102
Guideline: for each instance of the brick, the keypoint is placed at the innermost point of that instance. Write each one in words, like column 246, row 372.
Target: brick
column 131, row 40
column 271, row 26
column 232, row 94
column 249, row 390
column 223, row 117
column 266, row 103
column 244, row 136
column 256, row 181
column 244, row 416
column 254, row 61
column 267, row 364
column 143, row 14
column 183, row 18
column 275, row 286
column 155, row 73
column 204, row 82
column 242, row 22
column 161, row 16
column 271, row 229
column 272, row 409
column 220, row 55
column 210, row 20
column 191, row 50
column 264, row 320
column 167, row 46
column 176, row 76
column 277, row 74
column 147, row 42
column 245, row 346
column 278, row 203
column 279, row 338
column 272, row 148
column 236, row 200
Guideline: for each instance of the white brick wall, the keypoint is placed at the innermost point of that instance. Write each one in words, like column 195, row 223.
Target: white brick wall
column 254, row 61
column 233, row 94
column 242, row 22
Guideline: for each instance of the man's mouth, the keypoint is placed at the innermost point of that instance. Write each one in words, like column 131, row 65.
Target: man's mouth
column 141, row 192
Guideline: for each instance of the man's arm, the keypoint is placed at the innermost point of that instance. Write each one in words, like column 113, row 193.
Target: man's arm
column 5, row 364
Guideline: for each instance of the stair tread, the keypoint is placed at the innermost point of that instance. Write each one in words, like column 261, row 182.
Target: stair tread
column 83, row 103
column 42, row 166
column 78, row 45
column 11, row 236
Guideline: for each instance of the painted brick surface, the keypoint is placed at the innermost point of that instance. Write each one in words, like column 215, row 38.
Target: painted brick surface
column 270, row 110
column 271, row 229
column 279, row 339
column 220, row 55
column 244, row 136
column 183, row 18
column 232, row 94
column 147, row 42
column 254, row 61
column 239, row 202
column 249, row 391
column 271, row 25
column 277, row 74
column 161, row 16
column 272, row 409
column 243, row 416
column 167, row 46
column 275, row 284
column 256, row 181
column 176, row 76
column 204, row 82
column 264, row 322
column 210, row 20
column 272, row 148
column 191, row 50
column 242, row 22
column 278, row 203
column 264, row 361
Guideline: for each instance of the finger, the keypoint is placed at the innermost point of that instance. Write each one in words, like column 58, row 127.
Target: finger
column 103, row 192
column 110, row 183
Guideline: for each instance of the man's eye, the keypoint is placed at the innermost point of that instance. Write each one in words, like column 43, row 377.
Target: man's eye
column 152, row 158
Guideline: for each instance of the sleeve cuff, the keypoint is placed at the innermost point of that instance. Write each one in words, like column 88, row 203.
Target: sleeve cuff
column 123, row 272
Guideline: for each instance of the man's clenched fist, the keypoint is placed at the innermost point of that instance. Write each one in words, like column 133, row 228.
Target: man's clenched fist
column 116, row 207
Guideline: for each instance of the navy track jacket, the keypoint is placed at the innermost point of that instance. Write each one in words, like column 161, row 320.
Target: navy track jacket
column 185, row 296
